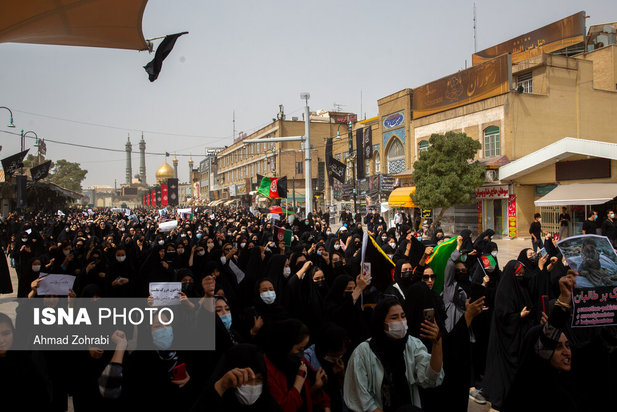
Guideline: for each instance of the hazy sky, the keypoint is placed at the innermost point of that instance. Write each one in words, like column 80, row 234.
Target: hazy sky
column 247, row 56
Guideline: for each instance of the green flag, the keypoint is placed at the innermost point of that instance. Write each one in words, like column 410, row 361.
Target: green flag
column 438, row 260
column 283, row 235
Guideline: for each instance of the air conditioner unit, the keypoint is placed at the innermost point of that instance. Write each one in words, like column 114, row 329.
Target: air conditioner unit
column 491, row 175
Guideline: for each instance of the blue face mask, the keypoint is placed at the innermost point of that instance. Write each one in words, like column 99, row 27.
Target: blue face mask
column 226, row 320
column 199, row 235
column 268, row 297
column 163, row 338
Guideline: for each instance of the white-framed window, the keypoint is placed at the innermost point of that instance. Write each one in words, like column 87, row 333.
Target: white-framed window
column 423, row 146
column 526, row 81
column 337, row 157
column 492, row 145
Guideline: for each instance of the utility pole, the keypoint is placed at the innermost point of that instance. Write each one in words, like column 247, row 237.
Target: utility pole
column 475, row 28
column 308, row 189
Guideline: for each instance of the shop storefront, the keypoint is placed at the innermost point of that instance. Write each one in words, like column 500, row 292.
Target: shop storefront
column 493, row 208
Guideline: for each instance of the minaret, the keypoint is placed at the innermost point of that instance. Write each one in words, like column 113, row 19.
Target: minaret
column 191, row 170
column 142, row 160
column 129, row 169
column 175, row 161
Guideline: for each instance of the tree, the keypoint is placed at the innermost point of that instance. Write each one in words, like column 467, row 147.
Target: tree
column 443, row 175
column 32, row 160
column 67, row 175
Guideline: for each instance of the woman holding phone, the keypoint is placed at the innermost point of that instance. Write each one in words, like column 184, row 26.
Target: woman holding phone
column 385, row 371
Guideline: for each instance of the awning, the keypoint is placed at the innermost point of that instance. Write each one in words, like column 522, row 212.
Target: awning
column 229, row 202
column 401, row 197
column 212, row 203
column 217, row 202
column 92, row 23
column 405, row 173
column 579, row 194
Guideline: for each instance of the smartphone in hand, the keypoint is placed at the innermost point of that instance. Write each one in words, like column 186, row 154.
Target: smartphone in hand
column 429, row 314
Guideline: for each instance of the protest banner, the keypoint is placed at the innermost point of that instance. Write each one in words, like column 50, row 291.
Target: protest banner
column 595, row 296
column 168, row 226
column 53, row 284
column 165, row 293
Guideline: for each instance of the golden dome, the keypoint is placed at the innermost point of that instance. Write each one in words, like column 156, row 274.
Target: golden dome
column 164, row 172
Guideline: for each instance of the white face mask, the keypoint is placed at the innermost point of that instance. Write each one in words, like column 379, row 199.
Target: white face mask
column 392, row 245
column 539, row 219
column 248, row 394
column 494, row 253
column 242, row 244
column 120, row 258
column 223, row 260
column 397, row 330
column 36, row 268
column 268, row 296
column 337, row 246
column 24, row 239
column 612, row 216
column 286, row 271
column 161, row 242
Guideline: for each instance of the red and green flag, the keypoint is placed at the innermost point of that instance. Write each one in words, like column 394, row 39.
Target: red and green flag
column 272, row 187
column 283, row 235
column 438, row 260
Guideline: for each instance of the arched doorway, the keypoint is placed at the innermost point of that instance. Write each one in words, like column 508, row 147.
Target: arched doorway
column 396, row 157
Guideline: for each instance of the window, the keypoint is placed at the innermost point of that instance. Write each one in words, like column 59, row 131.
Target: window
column 525, row 80
column 396, row 157
column 367, row 167
column 491, row 141
column 299, row 168
column 337, row 157
column 423, row 146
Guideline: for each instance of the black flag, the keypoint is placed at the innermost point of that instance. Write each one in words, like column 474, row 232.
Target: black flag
column 12, row 163
column 40, row 172
column 337, row 170
column 154, row 67
column 359, row 154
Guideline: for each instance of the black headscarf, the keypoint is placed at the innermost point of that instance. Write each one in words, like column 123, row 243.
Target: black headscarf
column 283, row 336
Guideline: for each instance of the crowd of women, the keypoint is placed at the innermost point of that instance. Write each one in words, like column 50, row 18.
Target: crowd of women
column 299, row 327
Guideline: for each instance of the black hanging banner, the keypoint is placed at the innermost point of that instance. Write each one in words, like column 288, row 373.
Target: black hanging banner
column 20, row 182
column 329, row 159
column 359, row 154
column 41, row 171
column 12, row 163
column 172, row 184
column 368, row 143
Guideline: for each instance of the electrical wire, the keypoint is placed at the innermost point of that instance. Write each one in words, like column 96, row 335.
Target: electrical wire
column 84, row 146
column 120, row 128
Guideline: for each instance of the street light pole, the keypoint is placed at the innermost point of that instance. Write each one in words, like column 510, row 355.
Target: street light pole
column 11, row 119
column 308, row 189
